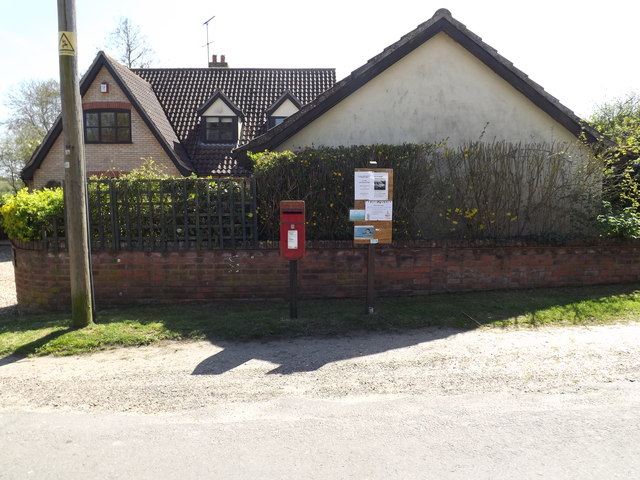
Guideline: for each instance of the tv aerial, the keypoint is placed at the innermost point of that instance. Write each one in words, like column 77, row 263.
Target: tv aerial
column 206, row 24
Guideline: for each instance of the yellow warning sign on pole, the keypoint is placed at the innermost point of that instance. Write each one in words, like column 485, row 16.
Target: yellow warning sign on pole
column 67, row 43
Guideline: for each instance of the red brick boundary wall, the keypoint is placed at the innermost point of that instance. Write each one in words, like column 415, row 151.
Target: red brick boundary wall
column 42, row 278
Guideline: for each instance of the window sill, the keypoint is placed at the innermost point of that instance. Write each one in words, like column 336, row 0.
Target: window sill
column 218, row 144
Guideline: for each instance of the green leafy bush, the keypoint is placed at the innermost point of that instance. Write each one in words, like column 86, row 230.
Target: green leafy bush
column 619, row 121
column 624, row 223
column 28, row 216
column 477, row 191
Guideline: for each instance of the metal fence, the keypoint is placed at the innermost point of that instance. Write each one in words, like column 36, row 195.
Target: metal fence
column 174, row 214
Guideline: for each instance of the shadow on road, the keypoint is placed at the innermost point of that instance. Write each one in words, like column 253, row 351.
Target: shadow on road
column 488, row 308
column 9, row 310
column 10, row 359
column 313, row 353
column 6, row 252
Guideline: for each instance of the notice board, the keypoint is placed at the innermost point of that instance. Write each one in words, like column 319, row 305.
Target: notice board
column 373, row 206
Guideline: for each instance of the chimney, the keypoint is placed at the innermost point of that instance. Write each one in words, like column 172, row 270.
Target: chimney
column 214, row 63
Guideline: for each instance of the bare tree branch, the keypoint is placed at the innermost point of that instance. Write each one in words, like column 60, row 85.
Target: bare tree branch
column 131, row 46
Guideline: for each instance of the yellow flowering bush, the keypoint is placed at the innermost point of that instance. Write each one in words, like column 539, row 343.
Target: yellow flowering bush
column 323, row 178
column 28, row 216
column 477, row 191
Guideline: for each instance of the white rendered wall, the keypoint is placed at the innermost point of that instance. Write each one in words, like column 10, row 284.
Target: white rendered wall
column 439, row 91
column 285, row 110
column 219, row 109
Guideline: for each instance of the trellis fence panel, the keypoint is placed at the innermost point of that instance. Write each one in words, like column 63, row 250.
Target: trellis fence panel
column 174, row 214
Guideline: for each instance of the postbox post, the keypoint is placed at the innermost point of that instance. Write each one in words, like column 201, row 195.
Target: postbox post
column 292, row 245
column 293, row 289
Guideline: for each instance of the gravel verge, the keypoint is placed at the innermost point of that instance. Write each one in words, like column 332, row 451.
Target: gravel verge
column 175, row 377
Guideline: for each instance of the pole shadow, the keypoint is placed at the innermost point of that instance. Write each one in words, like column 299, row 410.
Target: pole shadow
column 29, row 348
column 10, row 359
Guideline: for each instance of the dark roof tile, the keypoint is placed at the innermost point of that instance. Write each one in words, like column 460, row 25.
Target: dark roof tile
column 182, row 92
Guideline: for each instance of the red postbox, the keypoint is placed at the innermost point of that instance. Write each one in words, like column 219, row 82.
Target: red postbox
column 292, row 236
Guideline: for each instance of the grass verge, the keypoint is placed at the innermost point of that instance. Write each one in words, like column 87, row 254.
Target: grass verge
column 52, row 334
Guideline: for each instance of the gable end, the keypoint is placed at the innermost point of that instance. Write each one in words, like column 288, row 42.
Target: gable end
column 443, row 22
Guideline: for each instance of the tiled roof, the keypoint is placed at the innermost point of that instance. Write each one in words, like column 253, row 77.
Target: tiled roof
column 182, row 92
column 153, row 112
column 442, row 21
column 168, row 101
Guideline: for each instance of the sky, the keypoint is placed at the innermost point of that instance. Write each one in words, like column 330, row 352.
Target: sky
column 582, row 53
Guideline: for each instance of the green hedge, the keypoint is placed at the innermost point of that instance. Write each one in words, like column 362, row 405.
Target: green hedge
column 323, row 178
column 477, row 191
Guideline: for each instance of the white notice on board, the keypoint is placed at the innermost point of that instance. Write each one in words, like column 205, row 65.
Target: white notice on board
column 380, row 186
column 363, row 185
column 292, row 239
column 371, row 185
column 377, row 210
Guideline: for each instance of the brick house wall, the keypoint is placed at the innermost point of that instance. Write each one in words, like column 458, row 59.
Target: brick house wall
column 107, row 157
column 125, row 278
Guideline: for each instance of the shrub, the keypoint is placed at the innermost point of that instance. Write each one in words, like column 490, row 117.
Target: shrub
column 323, row 178
column 29, row 216
column 624, row 223
column 477, row 191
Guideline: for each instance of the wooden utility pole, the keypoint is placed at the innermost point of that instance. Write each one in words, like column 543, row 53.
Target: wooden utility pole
column 75, row 191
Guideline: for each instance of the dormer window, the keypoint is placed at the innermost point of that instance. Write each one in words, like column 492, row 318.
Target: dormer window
column 275, row 121
column 221, row 120
column 282, row 108
column 220, row 129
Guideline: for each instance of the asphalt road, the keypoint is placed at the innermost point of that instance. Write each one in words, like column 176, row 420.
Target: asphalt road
column 520, row 437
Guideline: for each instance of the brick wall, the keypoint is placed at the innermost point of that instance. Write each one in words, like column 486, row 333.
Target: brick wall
column 42, row 281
